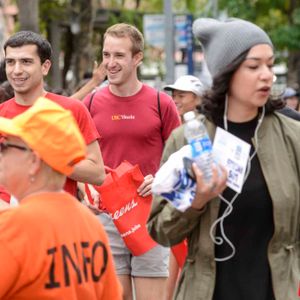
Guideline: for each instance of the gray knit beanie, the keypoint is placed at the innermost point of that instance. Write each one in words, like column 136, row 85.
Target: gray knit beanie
column 223, row 42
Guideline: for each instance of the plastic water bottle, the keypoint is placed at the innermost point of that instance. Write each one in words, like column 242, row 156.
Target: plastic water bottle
column 196, row 134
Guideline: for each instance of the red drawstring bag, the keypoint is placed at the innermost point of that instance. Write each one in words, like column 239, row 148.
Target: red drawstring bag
column 129, row 211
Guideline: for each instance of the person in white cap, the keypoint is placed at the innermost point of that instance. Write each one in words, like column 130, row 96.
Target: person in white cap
column 291, row 97
column 186, row 93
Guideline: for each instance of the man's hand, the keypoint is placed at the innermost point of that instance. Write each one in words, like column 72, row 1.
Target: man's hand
column 144, row 189
column 99, row 73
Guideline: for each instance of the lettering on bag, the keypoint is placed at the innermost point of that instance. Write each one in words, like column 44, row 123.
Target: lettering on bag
column 85, row 271
column 123, row 210
column 131, row 230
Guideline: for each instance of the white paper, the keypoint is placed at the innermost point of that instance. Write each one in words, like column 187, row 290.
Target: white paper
column 232, row 153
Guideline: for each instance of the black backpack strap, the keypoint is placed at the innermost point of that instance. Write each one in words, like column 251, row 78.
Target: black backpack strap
column 158, row 106
column 160, row 115
column 91, row 100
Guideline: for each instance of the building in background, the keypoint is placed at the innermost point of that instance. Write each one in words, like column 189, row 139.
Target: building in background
column 188, row 58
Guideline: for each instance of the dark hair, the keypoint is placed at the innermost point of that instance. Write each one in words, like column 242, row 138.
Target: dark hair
column 6, row 91
column 213, row 101
column 23, row 38
column 2, row 71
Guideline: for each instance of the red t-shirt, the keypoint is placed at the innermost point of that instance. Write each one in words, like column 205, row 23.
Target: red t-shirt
column 131, row 128
column 11, row 108
column 52, row 247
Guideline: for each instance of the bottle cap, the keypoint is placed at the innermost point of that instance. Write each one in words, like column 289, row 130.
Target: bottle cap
column 190, row 115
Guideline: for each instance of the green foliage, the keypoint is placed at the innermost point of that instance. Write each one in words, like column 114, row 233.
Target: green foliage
column 287, row 36
column 52, row 10
column 151, row 6
column 277, row 17
column 296, row 16
column 126, row 16
column 238, row 8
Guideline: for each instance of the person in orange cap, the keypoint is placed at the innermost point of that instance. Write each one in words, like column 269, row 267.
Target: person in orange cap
column 51, row 246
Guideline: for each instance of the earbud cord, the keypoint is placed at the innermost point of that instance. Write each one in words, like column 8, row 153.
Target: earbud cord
column 219, row 240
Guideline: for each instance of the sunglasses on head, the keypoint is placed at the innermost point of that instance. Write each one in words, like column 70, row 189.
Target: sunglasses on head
column 5, row 145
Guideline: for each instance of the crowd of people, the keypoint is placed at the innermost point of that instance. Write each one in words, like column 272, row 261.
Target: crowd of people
column 57, row 239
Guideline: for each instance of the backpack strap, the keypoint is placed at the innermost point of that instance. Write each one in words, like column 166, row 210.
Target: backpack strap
column 158, row 105
column 160, row 116
column 91, row 100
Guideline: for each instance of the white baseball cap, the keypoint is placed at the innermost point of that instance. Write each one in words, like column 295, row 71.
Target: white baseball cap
column 289, row 92
column 187, row 83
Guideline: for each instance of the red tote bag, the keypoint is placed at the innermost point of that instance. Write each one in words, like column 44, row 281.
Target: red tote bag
column 128, row 210
column 180, row 252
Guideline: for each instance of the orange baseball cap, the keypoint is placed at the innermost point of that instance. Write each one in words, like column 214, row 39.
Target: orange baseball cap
column 50, row 131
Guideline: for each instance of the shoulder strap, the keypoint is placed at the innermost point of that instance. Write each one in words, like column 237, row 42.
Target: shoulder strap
column 91, row 100
column 158, row 105
column 160, row 115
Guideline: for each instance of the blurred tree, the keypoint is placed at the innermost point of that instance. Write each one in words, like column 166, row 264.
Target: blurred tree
column 69, row 27
column 82, row 15
column 28, row 15
column 53, row 25
column 75, row 27
column 281, row 19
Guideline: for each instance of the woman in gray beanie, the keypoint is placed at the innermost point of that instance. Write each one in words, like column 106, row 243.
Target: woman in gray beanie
column 247, row 246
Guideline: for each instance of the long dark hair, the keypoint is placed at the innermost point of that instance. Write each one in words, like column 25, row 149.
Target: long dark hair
column 213, row 102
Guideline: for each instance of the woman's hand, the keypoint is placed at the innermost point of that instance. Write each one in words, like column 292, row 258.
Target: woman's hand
column 205, row 191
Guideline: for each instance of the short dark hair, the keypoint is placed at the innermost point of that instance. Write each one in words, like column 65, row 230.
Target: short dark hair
column 23, row 38
column 213, row 101
column 6, row 91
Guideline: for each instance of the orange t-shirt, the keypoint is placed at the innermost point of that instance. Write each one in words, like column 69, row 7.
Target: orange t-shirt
column 52, row 247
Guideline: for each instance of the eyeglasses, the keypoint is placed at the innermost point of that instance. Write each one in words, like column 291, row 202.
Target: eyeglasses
column 4, row 146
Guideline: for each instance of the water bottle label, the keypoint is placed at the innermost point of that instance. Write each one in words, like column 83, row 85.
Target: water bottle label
column 200, row 146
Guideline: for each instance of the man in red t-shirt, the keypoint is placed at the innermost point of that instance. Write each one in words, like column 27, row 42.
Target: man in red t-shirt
column 27, row 60
column 134, row 122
